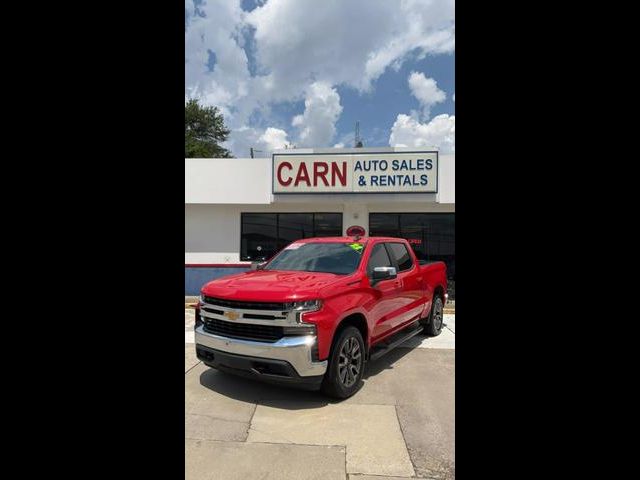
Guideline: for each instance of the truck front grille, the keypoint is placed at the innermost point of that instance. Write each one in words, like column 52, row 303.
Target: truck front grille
column 240, row 305
column 244, row 331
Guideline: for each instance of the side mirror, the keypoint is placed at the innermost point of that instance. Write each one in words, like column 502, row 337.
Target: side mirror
column 258, row 265
column 383, row 273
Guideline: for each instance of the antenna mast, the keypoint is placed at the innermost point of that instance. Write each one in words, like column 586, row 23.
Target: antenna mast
column 357, row 140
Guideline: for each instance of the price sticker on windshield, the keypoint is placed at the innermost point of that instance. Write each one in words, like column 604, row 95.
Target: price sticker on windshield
column 358, row 247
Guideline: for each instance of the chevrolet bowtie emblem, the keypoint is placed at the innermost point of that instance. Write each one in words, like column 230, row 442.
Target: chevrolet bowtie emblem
column 231, row 315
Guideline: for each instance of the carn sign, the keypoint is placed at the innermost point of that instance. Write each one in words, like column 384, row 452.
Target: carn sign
column 402, row 172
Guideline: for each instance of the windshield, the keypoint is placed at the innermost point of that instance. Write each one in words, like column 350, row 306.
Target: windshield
column 339, row 258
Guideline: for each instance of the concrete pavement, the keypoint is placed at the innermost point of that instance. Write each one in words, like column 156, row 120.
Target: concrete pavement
column 214, row 460
column 399, row 425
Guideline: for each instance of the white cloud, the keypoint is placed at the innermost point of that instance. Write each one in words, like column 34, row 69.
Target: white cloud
column 415, row 130
column 298, row 43
column 217, row 32
column 274, row 139
column 347, row 42
column 339, row 145
column 242, row 139
column 407, row 131
column 321, row 111
column 264, row 142
column 426, row 91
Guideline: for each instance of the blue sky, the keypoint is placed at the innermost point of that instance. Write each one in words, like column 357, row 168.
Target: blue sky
column 300, row 72
column 377, row 111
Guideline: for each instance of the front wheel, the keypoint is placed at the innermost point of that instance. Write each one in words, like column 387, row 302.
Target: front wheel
column 434, row 325
column 346, row 365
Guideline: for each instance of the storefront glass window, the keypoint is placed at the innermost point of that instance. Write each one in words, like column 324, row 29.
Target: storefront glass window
column 262, row 235
column 327, row 224
column 293, row 226
column 259, row 235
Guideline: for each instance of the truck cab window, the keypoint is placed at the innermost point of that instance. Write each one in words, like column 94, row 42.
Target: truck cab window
column 402, row 256
column 378, row 258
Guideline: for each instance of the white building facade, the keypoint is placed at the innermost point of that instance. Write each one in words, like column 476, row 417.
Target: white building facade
column 239, row 210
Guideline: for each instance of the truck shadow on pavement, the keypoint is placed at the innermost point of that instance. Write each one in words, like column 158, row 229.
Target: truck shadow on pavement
column 254, row 391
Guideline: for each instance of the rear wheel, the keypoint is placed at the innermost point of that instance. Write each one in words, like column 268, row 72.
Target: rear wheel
column 434, row 324
column 346, row 364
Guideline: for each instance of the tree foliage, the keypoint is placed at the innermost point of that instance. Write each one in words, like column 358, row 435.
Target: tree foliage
column 204, row 131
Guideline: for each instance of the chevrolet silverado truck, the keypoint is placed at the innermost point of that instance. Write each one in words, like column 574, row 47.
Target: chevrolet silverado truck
column 318, row 311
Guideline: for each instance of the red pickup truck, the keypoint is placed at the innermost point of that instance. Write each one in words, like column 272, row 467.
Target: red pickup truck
column 314, row 314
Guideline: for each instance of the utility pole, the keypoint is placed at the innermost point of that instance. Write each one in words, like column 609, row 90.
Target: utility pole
column 357, row 142
column 251, row 151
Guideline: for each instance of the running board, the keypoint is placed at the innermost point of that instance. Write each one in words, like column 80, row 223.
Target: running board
column 395, row 340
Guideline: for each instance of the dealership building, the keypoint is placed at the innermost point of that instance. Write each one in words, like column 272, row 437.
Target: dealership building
column 241, row 210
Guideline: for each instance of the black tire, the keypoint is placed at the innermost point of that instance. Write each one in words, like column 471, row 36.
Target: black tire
column 346, row 364
column 434, row 324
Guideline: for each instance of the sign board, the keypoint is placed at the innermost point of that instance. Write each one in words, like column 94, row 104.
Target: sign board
column 388, row 172
column 354, row 230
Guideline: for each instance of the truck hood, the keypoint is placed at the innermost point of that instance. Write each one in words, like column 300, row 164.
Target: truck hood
column 271, row 286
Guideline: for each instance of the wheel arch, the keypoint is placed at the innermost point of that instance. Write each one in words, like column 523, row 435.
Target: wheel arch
column 439, row 292
column 354, row 319
column 357, row 320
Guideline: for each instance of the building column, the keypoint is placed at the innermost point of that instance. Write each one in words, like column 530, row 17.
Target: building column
column 355, row 214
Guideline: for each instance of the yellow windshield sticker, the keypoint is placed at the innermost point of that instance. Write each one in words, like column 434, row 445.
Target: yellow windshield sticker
column 357, row 247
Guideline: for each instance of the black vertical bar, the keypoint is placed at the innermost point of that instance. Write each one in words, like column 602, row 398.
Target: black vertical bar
column 277, row 233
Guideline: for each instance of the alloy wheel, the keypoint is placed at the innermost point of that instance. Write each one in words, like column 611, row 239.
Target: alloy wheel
column 349, row 362
column 437, row 316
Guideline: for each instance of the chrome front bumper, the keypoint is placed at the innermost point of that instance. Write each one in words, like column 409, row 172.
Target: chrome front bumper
column 294, row 350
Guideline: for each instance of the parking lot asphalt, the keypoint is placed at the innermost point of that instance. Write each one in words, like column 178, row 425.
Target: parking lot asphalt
column 401, row 424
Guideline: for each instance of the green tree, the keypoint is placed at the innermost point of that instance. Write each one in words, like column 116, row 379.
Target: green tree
column 204, row 130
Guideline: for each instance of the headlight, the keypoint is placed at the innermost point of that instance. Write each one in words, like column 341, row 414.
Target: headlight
column 202, row 297
column 308, row 306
